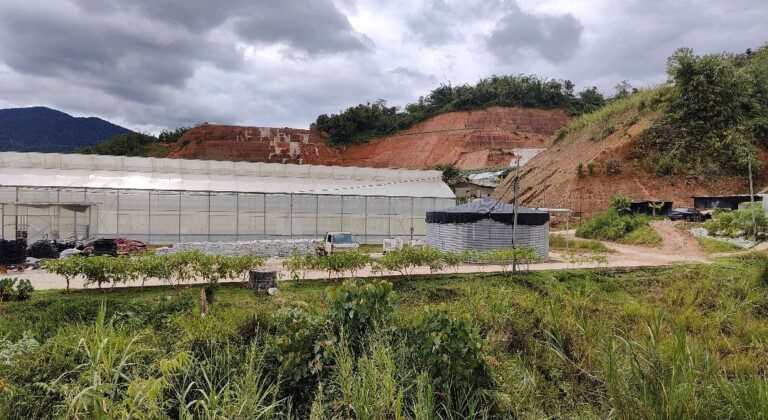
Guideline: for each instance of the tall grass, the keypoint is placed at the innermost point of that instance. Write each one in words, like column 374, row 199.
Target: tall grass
column 682, row 342
column 630, row 107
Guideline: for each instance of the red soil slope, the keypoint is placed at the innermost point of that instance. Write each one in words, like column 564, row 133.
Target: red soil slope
column 551, row 180
column 252, row 144
column 469, row 140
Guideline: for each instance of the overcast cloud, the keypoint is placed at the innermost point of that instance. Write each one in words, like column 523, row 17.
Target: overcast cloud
column 154, row 64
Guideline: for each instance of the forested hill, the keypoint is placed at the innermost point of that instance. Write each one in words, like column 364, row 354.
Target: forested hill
column 364, row 122
column 41, row 129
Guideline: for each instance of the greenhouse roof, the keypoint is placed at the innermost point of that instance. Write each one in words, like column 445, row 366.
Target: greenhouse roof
column 118, row 172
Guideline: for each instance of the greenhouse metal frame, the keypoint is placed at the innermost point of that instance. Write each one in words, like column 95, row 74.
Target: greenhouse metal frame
column 142, row 206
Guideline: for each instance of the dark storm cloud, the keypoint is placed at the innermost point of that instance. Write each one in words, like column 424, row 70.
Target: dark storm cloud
column 553, row 37
column 632, row 40
column 435, row 25
column 153, row 64
column 136, row 49
column 131, row 60
column 311, row 26
column 439, row 22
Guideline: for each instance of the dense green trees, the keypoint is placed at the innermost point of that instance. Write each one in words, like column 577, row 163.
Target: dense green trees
column 713, row 113
column 131, row 144
column 135, row 144
column 365, row 121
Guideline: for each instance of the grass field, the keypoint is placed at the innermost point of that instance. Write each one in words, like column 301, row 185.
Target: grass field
column 714, row 246
column 565, row 243
column 684, row 342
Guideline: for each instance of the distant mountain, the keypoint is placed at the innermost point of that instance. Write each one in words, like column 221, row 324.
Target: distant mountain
column 40, row 129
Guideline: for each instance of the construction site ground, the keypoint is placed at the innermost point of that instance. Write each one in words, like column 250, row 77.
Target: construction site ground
column 678, row 246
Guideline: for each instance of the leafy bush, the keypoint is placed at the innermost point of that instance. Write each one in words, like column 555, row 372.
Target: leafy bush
column 6, row 288
column 737, row 222
column 451, row 349
column 712, row 111
column 643, row 236
column 404, row 260
column 591, row 168
column 11, row 350
column 358, row 307
column 339, row 262
column 292, row 344
column 69, row 268
column 580, row 170
column 455, row 259
column 24, row 289
column 621, row 204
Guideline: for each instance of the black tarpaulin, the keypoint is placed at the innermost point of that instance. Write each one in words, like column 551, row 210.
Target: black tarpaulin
column 486, row 208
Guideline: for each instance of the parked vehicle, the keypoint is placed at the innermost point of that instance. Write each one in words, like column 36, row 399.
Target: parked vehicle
column 336, row 242
column 687, row 214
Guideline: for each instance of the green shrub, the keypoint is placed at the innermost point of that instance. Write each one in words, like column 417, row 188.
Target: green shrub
column 291, row 345
column 357, row 307
column 451, row 349
column 69, row 268
column 591, row 168
column 406, row 259
column 350, row 261
column 11, row 350
column 455, row 259
column 580, row 170
column 24, row 290
column 610, row 226
column 298, row 263
column 737, row 222
column 6, row 288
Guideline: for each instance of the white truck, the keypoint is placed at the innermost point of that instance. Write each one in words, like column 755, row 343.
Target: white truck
column 336, row 242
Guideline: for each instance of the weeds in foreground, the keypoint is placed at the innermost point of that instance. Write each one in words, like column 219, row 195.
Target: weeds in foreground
column 682, row 342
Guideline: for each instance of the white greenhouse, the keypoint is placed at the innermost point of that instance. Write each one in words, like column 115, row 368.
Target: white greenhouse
column 46, row 195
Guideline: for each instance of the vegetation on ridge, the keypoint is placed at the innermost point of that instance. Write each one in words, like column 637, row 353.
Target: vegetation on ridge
column 366, row 121
column 714, row 114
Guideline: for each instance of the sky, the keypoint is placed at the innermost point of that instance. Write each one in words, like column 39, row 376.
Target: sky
column 151, row 65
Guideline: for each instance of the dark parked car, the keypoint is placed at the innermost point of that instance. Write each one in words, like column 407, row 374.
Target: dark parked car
column 688, row 214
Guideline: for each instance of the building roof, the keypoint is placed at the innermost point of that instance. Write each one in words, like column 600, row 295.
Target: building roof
column 118, row 172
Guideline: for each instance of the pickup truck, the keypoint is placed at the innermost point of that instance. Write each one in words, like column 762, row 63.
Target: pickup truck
column 336, row 242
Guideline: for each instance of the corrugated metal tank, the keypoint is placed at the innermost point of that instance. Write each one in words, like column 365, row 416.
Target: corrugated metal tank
column 485, row 225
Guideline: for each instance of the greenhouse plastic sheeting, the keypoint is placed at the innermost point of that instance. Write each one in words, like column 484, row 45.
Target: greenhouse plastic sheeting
column 94, row 171
column 169, row 201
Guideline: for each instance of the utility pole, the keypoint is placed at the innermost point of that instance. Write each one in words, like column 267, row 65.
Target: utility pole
column 752, row 198
column 514, row 220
